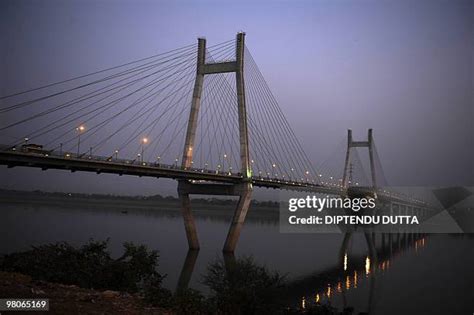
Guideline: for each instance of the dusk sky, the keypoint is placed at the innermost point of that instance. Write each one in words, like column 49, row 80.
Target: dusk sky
column 403, row 68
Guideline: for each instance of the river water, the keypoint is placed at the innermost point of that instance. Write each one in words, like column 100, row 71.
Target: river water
column 410, row 274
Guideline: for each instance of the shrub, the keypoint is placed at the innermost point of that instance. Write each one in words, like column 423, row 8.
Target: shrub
column 89, row 266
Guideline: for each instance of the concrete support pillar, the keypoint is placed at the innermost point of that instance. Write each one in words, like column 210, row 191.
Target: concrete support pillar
column 244, row 189
column 348, row 158
column 354, row 144
column 242, row 110
column 189, row 224
column 238, row 219
column 195, row 105
column 371, row 159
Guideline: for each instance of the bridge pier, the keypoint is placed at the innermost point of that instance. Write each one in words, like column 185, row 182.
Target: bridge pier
column 188, row 218
column 243, row 186
column 238, row 219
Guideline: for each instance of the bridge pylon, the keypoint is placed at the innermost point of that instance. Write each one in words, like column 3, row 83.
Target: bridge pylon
column 244, row 188
column 355, row 144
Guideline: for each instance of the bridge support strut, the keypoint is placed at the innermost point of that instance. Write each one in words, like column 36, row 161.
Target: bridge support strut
column 243, row 189
column 354, row 144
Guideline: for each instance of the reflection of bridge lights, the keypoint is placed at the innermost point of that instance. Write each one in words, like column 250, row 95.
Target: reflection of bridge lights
column 328, row 292
column 355, row 279
column 345, row 261
column 339, row 287
column 348, row 282
column 318, row 298
column 367, row 265
column 303, row 302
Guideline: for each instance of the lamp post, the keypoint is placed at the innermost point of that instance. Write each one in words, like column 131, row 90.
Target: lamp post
column 144, row 141
column 116, row 154
column 80, row 130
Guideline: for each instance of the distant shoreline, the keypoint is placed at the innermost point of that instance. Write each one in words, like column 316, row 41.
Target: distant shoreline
column 124, row 204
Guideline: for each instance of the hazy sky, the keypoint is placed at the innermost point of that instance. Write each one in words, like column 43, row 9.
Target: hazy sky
column 403, row 68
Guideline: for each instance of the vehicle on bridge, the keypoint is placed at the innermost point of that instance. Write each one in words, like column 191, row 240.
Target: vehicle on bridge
column 34, row 148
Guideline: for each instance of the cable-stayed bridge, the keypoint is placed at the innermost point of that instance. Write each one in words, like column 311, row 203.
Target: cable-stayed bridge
column 202, row 115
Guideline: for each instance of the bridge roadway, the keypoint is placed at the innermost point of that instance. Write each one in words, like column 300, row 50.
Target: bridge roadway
column 12, row 157
column 100, row 164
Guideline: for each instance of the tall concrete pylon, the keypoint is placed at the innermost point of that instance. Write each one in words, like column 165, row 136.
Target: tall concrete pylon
column 242, row 189
column 354, row 144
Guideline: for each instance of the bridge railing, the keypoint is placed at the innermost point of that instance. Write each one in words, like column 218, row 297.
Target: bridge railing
column 138, row 162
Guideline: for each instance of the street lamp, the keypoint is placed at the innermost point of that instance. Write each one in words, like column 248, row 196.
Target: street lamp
column 144, row 141
column 80, row 130
column 116, row 154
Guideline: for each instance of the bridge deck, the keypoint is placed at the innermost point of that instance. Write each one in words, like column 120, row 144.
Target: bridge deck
column 99, row 164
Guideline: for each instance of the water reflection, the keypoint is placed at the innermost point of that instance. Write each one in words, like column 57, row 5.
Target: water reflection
column 378, row 260
column 336, row 281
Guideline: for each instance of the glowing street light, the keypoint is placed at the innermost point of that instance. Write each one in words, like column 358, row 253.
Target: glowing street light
column 144, row 142
column 80, row 130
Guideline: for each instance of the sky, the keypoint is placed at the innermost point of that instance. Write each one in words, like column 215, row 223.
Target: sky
column 403, row 68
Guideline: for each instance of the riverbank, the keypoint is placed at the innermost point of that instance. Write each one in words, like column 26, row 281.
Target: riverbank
column 141, row 204
column 71, row 299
